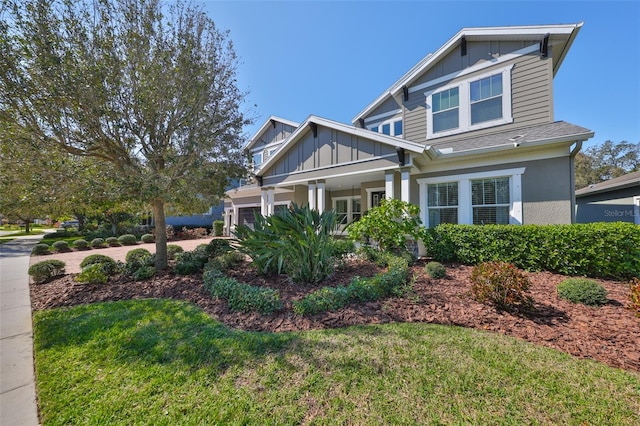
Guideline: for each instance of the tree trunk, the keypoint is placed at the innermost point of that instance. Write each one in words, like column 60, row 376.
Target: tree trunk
column 26, row 226
column 161, row 234
column 81, row 219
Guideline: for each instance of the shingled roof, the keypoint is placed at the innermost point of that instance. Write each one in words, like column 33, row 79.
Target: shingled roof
column 624, row 181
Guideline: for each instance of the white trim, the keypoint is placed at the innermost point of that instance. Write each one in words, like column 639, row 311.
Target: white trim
column 405, row 185
column 464, row 104
column 333, row 166
column 473, row 69
column 383, row 116
column 636, row 210
column 465, row 210
column 389, row 185
column 349, row 213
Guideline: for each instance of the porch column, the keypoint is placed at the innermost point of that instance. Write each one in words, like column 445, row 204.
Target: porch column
column 271, row 199
column 388, row 185
column 404, row 185
column 264, row 202
column 312, row 195
column 234, row 219
column 320, row 189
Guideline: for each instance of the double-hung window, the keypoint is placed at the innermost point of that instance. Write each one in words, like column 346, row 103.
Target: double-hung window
column 474, row 103
column 443, row 203
column 490, row 201
column 348, row 209
column 493, row 197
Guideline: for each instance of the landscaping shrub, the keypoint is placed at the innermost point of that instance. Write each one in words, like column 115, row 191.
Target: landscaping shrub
column 143, row 273
column 191, row 262
column 92, row 274
column 112, row 242
column 128, row 240
column 173, row 250
column 242, row 297
column 147, row 238
column 137, row 255
column 502, row 285
column 97, row 243
column 602, row 250
column 216, row 247
column 226, row 261
column 342, row 248
column 60, row 246
column 582, row 290
column 360, row 289
column 389, row 225
column 39, row 249
column 46, row 270
column 81, row 244
column 435, row 270
column 634, row 296
column 218, row 228
column 107, row 264
column 297, row 240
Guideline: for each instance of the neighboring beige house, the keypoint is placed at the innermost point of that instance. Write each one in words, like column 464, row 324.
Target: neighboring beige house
column 614, row 200
column 468, row 134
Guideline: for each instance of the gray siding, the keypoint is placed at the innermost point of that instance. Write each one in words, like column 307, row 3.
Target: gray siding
column 531, row 93
column 329, row 148
column 610, row 206
column 388, row 105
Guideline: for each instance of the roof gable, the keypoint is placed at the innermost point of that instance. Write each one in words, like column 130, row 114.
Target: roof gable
column 314, row 122
column 624, row 181
column 272, row 121
column 560, row 37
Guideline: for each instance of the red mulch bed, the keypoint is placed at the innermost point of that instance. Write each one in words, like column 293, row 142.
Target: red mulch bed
column 610, row 333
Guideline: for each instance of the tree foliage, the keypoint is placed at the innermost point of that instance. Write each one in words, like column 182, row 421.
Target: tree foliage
column 147, row 88
column 606, row 161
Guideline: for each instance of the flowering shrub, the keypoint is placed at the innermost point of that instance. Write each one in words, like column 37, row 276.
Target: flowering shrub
column 634, row 296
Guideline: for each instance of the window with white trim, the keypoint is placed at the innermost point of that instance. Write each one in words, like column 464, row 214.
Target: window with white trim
column 490, row 201
column 443, row 203
column 348, row 209
column 391, row 127
column 475, row 103
column 493, row 197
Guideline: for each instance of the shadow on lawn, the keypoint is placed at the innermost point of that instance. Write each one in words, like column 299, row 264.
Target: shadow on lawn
column 153, row 331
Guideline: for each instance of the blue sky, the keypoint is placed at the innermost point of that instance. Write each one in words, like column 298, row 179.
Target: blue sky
column 332, row 59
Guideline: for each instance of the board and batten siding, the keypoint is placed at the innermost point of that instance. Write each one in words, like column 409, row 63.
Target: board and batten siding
column 387, row 106
column 531, row 97
column 272, row 134
column 330, row 148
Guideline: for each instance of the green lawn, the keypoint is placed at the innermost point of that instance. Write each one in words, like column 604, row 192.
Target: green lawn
column 165, row 362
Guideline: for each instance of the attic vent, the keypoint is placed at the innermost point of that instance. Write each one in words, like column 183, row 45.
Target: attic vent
column 516, row 137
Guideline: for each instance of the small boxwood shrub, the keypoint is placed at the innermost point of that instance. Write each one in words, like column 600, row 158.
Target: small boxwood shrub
column 40, row 249
column 502, row 285
column 128, row 240
column 147, row 238
column 435, row 270
column 97, row 243
column 342, row 248
column 92, row 274
column 81, row 244
column 137, row 255
column 634, row 296
column 191, row 262
column 46, row 270
column 226, row 261
column 112, row 242
column 107, row 264
column 60, row 246
column 242, row 297
column 173, row 250
column 582, row 290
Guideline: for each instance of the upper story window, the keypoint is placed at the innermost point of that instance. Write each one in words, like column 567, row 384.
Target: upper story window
column 257, row 159
column 475, row 103
column 391, row 127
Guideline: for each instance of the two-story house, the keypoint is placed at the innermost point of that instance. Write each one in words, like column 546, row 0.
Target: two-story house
column 468, row 134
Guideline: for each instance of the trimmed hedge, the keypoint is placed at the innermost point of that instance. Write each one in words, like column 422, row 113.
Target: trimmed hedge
column 128, row 240
column 40, row 249
column 107, row 264
column 601, row 250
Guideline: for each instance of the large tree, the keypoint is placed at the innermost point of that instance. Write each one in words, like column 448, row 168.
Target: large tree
column 606, row 161
column 149, row 88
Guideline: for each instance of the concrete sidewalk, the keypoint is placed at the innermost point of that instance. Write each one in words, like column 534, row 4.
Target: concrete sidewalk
column 18, row 405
